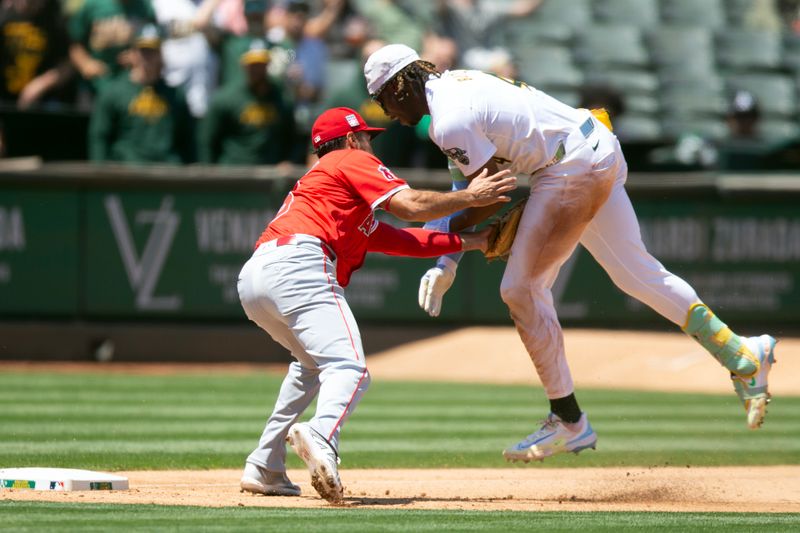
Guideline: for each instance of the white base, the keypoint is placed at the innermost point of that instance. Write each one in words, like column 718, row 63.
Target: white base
column 59, row 479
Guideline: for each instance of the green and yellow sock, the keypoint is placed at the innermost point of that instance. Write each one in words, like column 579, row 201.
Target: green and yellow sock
column 727, row 347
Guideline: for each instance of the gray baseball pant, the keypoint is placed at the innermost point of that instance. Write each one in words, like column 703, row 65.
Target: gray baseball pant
column 291, row 292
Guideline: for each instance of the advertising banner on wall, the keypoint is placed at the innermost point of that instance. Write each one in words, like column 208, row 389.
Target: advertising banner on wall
column 745, row 263
column 39, row 253
column 163, row 253
column 171, row 254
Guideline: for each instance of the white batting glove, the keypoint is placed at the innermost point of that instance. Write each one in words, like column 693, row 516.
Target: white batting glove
column 434, row 284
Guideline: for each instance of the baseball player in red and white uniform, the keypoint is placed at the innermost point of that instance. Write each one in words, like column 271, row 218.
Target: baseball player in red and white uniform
column 292, row 287
column 577, row 176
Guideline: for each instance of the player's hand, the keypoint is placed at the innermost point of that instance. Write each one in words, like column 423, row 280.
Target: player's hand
column 432, row 286
column 488, row 190
column 475, row 240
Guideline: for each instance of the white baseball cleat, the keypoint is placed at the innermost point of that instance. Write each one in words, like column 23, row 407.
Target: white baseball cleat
column 555, row 436
column 321, row 459
column 753, row 391
column 259, row 480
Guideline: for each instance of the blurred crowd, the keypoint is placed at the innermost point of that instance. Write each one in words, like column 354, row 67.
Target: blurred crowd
column 239, row 82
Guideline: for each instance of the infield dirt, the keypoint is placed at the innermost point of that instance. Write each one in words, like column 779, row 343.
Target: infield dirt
column 522, row 489
column 599, row 359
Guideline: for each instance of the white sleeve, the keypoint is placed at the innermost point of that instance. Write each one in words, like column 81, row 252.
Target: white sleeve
column 462, row 139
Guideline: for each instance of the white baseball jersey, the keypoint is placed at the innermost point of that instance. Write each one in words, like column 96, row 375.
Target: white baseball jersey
column 578, row 174
column 477, row 116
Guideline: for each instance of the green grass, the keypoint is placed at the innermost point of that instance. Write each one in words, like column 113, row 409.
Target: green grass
column 21, row 516
column 116, row 422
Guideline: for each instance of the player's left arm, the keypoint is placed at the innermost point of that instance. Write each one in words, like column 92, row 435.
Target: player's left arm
column 419, row 242
column 438, row 279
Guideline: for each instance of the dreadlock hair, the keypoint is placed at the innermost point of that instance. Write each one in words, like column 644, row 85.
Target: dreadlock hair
column 412, row 79
column 329, row 146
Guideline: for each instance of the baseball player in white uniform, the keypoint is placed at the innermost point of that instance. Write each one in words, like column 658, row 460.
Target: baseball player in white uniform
column 577, row 177
column 292, row 287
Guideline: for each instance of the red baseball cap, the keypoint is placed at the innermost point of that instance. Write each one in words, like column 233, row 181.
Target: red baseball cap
column 338, row 122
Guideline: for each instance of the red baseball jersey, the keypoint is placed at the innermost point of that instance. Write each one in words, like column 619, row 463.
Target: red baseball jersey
column 335, row 202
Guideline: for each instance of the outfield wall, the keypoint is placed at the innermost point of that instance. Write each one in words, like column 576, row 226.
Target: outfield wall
column 98, row 244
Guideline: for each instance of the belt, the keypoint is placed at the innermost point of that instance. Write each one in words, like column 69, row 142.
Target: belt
column 298, row 238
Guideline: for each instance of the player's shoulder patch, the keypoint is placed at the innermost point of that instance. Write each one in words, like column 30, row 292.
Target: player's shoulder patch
column 386, row 173
column 457, row 154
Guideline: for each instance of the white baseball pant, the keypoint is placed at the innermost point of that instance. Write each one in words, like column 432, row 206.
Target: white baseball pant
column 291, row 292
column 581, row 199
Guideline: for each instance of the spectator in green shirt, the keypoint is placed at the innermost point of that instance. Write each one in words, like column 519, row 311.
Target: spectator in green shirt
column 248, row 122
column 230, row 46
column 101, row 33
column 138, row 118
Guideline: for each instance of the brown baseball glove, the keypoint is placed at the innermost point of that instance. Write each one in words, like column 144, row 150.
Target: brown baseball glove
column 502, row 232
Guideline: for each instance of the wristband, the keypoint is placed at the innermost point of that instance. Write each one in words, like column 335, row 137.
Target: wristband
column 449, row 262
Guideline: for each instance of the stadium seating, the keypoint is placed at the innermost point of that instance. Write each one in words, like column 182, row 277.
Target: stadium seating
column 523, row 33
column 737, row 11
column 709, row 127
column 617, row 45
column 693, row 101
column 646, row 104
column 674, row 62
column 633, row 127
column 626, row 81
column 682, row 47
column 549, row 67
column 742, row 49
column 424, row 11
column 571, row 98
column 706, row 13
column 643, row 14
column 575, row 14
column 791, row 54
column 777, row 129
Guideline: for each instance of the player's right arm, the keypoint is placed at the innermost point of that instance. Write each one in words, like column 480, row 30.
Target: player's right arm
column 475, row 215
column 422, row 206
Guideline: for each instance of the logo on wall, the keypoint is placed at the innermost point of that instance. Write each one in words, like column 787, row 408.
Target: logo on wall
column 144, row 270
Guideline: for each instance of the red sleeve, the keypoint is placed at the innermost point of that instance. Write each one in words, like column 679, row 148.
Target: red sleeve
column 369, row 177
column 412, row 242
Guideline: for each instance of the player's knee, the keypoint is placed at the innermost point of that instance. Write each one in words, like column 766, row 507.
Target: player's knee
column 356, row 371
column 515, row 294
